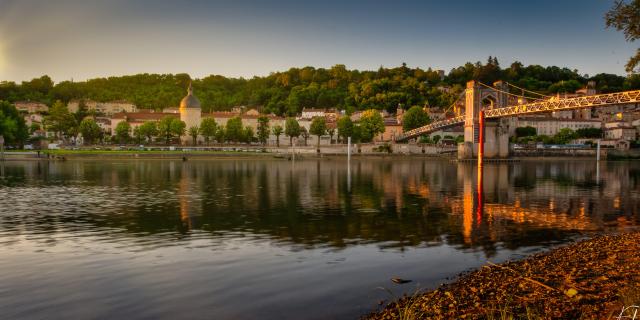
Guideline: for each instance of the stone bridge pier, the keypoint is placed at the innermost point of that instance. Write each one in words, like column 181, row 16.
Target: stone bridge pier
column 496, row 133
column 496, row 143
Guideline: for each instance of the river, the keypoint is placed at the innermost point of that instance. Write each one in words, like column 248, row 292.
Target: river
column 278, row 239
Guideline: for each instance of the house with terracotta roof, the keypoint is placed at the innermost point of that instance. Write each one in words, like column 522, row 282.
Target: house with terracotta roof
column 136, row 119
column 392, row 129
column 31, row 106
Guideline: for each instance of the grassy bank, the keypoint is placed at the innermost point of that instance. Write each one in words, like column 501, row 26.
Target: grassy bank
column 133, row 152
column 591, row 279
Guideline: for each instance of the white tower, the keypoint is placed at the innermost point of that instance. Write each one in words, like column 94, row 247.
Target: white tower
column 190, row 112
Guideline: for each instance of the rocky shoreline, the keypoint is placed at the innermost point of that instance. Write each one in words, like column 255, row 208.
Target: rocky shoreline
column 589, row 279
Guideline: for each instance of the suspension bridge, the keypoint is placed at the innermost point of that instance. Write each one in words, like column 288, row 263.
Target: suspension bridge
column 495, row 102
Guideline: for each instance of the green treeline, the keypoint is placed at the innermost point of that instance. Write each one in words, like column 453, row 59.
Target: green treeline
column 286, row 93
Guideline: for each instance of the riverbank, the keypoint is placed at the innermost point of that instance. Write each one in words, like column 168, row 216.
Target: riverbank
column 590, row 279
column 62, row 154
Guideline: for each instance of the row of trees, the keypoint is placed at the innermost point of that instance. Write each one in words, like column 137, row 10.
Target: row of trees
column 66, row 125
column 529, row 134
column 169, row 128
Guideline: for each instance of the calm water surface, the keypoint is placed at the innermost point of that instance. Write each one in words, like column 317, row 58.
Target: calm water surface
column 273, row 239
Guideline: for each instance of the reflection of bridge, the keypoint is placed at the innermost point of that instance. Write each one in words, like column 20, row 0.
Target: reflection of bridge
column 495, row 134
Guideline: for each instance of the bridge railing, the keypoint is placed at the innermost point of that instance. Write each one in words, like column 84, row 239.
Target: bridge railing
column 566, row 104
column 431, row 127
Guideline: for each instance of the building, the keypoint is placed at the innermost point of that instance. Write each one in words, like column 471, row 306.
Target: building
column 617, row 124
column 171, row 110
column 190, row 111
column 252, row 112
column 312, row 113
column 620, row 133
column 105, row 108
column 31, row 106
column 551, row 126
column 104, row 123
column 136, row 119
column 392, row 129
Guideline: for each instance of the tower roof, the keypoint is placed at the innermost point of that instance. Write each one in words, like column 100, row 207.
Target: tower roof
column 190, row 101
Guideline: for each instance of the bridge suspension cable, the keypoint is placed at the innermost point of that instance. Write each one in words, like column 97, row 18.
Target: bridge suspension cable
column 455, row 102
column 525, row 90
column 506, row 92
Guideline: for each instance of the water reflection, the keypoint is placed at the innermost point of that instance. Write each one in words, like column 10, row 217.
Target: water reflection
column 396, row 204
column 257, row 226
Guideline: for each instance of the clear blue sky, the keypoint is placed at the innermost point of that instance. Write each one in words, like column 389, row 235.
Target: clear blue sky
column 83, row 39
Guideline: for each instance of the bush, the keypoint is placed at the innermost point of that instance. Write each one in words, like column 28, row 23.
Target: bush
column 383, row 148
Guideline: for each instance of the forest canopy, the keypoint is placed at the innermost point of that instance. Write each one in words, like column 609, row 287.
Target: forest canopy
column 286, row 93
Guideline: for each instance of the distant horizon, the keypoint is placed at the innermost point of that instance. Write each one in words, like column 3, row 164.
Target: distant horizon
column 87, row 39
column 204, row 75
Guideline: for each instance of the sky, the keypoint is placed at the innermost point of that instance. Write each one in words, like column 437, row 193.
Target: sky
column 81, row 39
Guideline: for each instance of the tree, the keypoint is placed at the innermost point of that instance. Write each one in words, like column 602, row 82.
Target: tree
column 331, row 132
column 12, row 126
column 149, row 130
column 525, row 131
column 371, row 124
column 415, row 117
column 234, row 131
column 193, row 132
column 425, row 139
column 305, row 135
column 345, row 127
column 137, row 134
column 220, row 134
column 292, row 129
column 34, row 127
column 263, row 129
column 436, row 138
column 178, row 127
column 318, row 128
column 565, row 86
column 170, row 127
column 248, row 134
column 625, row 17
column 60, row 120
column 123, row 131
column 589, row 133
column 277, row 131
column 82, row 111
column 564, row 136
column 90, row 130
column 208, row 128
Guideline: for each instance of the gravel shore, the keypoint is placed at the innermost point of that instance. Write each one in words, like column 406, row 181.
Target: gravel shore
column 590, row 279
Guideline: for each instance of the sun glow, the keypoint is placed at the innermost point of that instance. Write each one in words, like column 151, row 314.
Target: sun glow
column 2, row 58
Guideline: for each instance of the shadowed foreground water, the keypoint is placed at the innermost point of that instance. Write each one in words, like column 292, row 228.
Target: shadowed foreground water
column 273, row 239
